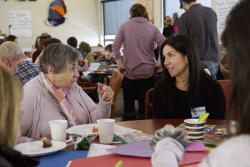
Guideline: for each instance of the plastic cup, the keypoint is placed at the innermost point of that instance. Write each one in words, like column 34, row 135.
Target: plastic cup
column 195, row 130
column 106, row 130
column 58, row 129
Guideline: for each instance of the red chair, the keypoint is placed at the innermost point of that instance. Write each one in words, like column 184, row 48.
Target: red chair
column 148, row 104
column 227, row 89
column 115, row 83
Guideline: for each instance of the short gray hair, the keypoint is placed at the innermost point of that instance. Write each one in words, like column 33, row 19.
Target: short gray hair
column 58, row 55
column 12, row 51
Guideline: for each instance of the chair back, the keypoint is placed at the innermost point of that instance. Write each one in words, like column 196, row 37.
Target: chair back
column 115, row 83
column 149, row 104
column 87, row 86
column 227, row 90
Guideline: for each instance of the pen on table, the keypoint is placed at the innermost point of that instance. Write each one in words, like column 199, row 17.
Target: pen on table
column 119, row 163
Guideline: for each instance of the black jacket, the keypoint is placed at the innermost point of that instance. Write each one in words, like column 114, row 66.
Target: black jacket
column 12, row 158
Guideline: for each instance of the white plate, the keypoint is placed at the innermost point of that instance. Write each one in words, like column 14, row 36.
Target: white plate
column 35, row 148
column 200, row 127
column 82, row 130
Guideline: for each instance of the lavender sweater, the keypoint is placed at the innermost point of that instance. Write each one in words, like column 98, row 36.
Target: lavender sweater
column 39, row 107
column 138, row 37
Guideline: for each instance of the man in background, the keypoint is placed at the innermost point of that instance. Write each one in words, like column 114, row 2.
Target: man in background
column 14, row 60
column 200, row 23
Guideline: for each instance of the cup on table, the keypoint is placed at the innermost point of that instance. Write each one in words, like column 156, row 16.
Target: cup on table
column 58, row 129
column 106, row 130
column 195, row 130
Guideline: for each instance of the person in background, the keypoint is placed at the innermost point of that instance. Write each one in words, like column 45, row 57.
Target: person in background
column 14, row 60
column 235, row 150
column 137, row 36
column 175, row 22
column 12, row 38
column 54, row 94
column 10, row 97
column 38, row 46
column 85, row 49
column 107, row 56
column 72, row 41
column 185, row 90
column 168, row 28
column 200, row 24
column 44, row 44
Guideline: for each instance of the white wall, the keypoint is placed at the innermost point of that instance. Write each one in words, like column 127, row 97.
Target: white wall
column 82, row 20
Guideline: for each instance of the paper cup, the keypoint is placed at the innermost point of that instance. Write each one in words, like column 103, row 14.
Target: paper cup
column 58, row 129
column 106, row 130
column 195, row 130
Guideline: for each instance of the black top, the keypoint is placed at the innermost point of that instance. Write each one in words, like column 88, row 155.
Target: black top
column 167, row 31
column 12, row 158
column 210, row 96
column 200, row 24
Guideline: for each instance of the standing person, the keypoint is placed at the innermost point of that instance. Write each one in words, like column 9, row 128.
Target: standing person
column 235, row 150
column 137, row 36
column 200, row 23
column 168, row 27
column 10, row 97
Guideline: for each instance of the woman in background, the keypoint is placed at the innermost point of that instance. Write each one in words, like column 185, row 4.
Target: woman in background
column 138, row 37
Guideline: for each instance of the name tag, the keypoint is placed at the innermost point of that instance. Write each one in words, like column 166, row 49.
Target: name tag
column 196, row 111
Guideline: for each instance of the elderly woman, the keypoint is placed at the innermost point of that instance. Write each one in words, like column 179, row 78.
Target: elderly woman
column 54, row 94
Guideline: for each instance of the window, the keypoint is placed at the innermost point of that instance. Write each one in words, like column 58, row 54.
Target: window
column 115, row 13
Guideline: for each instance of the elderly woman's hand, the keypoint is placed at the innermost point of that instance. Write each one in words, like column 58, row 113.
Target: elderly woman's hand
column 105, row 92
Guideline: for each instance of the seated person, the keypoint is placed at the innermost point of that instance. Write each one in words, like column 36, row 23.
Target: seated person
column 185, row 90
column 235, row 150
column 44, row 44
column 14, row 60
column 107, row 57
column 86, row 52
column 10, row 96
column 54, row 94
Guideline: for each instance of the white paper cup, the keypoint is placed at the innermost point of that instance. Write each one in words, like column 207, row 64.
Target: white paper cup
column 58, row 129
column 106, row 130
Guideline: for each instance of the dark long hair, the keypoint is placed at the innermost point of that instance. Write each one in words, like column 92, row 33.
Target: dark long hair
column 186, row 47
column 235, row 39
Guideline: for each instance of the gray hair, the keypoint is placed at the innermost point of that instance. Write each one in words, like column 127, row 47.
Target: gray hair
column 58, row 55
column 12, row 51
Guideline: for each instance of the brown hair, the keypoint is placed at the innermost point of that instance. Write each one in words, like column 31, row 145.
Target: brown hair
column 237, row 47
column 138, row 10
column 10, row 96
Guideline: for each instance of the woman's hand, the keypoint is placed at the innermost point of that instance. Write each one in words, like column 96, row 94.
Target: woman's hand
column 105, row 92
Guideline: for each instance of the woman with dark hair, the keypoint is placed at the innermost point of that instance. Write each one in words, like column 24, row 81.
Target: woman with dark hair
column 54, row 94
column 137, row 37
column 234, row 151
column 185, row 90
